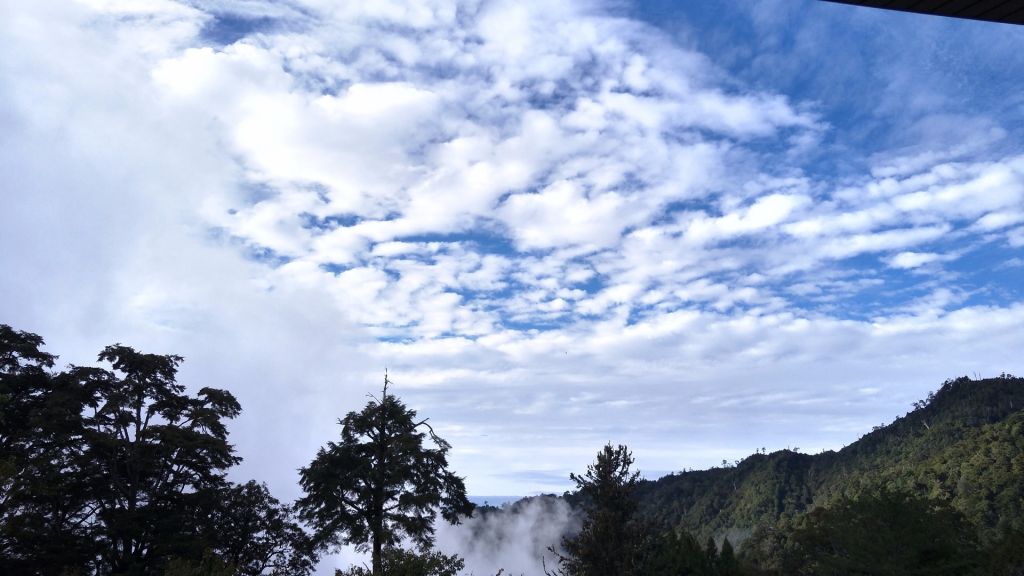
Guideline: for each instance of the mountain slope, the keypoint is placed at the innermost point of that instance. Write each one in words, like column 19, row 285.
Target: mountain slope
column 965, row 445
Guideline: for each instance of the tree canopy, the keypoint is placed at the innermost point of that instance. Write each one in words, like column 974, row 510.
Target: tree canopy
column 381, row 482
column 609, row 542
column 884, row 533
column 157, row 452
column 47, row 512
column 121, row 471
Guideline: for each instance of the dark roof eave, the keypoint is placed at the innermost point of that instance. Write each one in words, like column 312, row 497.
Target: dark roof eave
column 1004, row 11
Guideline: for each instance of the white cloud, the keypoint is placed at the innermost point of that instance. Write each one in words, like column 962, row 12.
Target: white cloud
column 561, row 214
column 766, row 212
column 998, row 220
column 913, row 259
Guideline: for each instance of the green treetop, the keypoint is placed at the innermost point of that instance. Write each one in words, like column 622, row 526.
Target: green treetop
column 381, row 482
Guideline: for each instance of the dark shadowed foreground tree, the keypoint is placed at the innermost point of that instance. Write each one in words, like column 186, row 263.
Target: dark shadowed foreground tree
column 380, row 482
column 399, row 562
column 122, row 472
column 256, row 534
column 679, row 552
column 159, row 455
column 45, row 510
column 609, row 542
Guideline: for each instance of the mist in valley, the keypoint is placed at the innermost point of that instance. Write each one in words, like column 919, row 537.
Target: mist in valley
column 513, row 538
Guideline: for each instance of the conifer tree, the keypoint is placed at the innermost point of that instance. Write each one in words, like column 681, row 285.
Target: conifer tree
column 380, row 482
column 609, row 541
column 727, row 563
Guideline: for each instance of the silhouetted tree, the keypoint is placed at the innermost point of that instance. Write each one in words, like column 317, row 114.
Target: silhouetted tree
column 121, row 472
column 398, row 562
column 381, row 482
column 45, row 510
column 159, row 455
column 609, row 542
column 256, row 534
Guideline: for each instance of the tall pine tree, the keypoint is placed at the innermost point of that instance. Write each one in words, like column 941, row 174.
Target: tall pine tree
column 609, row 541
column 381, row 482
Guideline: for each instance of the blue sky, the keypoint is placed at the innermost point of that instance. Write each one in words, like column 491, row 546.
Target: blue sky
column 695, row 228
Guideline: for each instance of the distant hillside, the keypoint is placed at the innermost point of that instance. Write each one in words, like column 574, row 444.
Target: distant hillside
column 964, row 444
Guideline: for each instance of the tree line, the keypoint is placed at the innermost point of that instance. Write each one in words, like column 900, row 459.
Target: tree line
column 879, row 532
column 118, row 470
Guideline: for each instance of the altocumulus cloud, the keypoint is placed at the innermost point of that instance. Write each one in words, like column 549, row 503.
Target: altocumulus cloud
column 555, row 224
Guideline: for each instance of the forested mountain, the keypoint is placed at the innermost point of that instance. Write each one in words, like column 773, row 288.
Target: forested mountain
column 964, row 445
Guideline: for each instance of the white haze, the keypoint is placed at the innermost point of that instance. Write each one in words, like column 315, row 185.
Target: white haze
column 514, row 538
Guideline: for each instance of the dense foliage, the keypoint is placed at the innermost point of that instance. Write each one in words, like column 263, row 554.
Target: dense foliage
column 962, row 447
column 398, row 562
column 121, row 471
column 609, row 542
column 912, row 536
column 381, row 482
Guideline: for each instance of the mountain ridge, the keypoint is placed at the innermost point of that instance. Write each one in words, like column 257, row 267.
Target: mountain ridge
column 963, row 444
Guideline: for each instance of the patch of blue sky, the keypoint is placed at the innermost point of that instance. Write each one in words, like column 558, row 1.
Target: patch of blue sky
column 481, row 242
column 334, row 268
column 871, row 74
column 591, row 285
column 780, row 143
column 256, row 192
column 311, row 80
column 984, row 273
column 631, row 182
column 539, row 322
column 494, row 297
column 859, row 288
column 440, row 70
column 562, row 95
column 226, row 29
column 643, row 313
column 253, row 252
column 325, row 223
column 395, row 339
column 230, row 22
column 824, row 294
column 898, row 292
column 513, row 313
column 687, row 135
column 673, row 209
column 267, row 256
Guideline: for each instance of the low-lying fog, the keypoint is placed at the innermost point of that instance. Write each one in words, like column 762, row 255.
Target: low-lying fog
column 514, row 537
